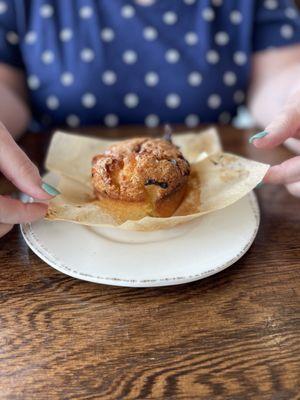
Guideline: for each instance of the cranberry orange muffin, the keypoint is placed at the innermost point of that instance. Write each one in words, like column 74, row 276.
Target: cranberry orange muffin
column 140, row 177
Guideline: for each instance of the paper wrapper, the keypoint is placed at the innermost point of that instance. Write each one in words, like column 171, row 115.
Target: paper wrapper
column 217, row 180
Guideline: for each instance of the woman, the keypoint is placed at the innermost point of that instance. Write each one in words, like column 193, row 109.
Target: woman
column 80, row 62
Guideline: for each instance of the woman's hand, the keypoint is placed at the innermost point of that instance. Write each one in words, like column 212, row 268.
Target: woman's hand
column 284, row 127
column 17, row 167
column 274, row 101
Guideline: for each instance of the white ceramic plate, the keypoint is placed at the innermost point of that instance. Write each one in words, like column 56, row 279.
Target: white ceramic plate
column 110, row 256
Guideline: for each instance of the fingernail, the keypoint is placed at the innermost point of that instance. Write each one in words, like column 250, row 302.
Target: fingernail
column 259, row 185
column 50, row 189
column 258, row 135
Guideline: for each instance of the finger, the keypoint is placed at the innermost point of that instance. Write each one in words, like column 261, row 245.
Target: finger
column 284, row 126
column 285, row 173
column 4, row 229
column 15, row 212
column 294, row 189
column 17, row 167
column 293, row 145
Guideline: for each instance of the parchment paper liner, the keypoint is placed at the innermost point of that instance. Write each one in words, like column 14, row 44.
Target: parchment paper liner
column 218, row 179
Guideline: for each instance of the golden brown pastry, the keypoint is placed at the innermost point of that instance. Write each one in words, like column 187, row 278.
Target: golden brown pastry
column 140, row 177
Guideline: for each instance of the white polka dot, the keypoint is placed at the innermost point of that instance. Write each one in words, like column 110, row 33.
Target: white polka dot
column 52, row 102
column 88, row 100
column 33, row 82
column 173, row 100
column 150, row 33
column 129, row 57
column 191, row 38
column 3, row 7
column 109, row 77
column 217, row 3
column 170, row 18
column 145, row 2
column 86, row 12
column 286, row 31
column 47, row 57
column 229, row 78
column 127, row 11
column 195, row 78
column 208, row 14
column 72, row 120
column 271, row 4
column 30, row 37
column 221, row 38
column 12, row 38
column 224, row 117
column 131, row 100
column 291, row 12
column 235, row 17
column 107, row 35
column 214, row 101
column 87, row 55
column 152, row 121
column 67, row 79
column 172, row 56
column 189, row 2
column 192, row 120
column 240, row 58
column 66, row 34
column 151, row 79
column 111, row 120
column 46, row 11
column 212, row 57
column 239, row 96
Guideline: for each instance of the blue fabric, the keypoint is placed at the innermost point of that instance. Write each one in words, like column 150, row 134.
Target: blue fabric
column 120, row 62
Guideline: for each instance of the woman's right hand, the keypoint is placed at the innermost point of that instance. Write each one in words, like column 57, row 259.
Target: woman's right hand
column 17, row 167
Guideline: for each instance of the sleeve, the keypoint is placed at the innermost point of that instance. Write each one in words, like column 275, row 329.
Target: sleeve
column 277, row 23
column 9, row 39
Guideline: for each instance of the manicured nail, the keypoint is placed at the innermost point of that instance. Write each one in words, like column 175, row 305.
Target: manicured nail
column 50, row 189
column 259, row 185
column 258, row 135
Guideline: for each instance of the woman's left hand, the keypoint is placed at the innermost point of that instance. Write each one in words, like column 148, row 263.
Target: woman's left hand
column 283, row 128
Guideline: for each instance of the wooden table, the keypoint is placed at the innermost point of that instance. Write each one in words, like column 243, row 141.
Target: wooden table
column 232, row 336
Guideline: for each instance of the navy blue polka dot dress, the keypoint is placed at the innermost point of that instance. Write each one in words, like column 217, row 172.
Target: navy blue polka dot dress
column 121, row 62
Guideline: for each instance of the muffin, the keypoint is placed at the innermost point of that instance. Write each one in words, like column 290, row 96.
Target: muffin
column 139, row 177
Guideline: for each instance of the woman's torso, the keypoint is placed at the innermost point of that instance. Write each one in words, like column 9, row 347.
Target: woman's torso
column 115, row 62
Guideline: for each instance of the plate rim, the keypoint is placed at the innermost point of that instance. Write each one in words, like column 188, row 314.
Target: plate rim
column 34, row 244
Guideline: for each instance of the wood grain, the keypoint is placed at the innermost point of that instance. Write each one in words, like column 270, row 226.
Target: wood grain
column 232, row 336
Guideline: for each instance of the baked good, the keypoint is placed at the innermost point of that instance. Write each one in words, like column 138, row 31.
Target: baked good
column 139, row 177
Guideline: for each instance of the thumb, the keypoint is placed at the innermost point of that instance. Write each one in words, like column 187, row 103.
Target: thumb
column 294, row 188
column 284, row 173
column 4, row 229
column 15, row 212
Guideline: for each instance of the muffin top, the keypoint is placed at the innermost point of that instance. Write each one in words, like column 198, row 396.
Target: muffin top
column 127, row 170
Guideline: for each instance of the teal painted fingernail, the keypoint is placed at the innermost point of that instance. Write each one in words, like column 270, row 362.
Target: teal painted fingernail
column 50, row 189
column 259, row 185
column 258, row 135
